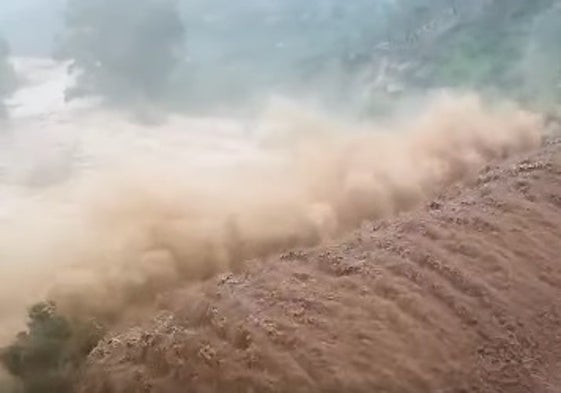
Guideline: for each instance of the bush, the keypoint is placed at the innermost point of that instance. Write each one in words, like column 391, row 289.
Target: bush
column 47, row 357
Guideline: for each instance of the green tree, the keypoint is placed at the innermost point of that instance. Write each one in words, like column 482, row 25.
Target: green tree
column 481, row 45
column 47, row 357
column 122, row 50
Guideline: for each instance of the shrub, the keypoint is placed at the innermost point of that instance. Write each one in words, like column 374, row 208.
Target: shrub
column 47, row 357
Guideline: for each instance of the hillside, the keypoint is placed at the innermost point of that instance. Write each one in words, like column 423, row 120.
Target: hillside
column 350, row 56
column 277, row 196
column 458, row 296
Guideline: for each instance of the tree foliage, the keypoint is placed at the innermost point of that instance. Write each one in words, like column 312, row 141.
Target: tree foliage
column 241, row 51
column 497, row 47
column 335, row 49
column 123, row 50
column 46, row 358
